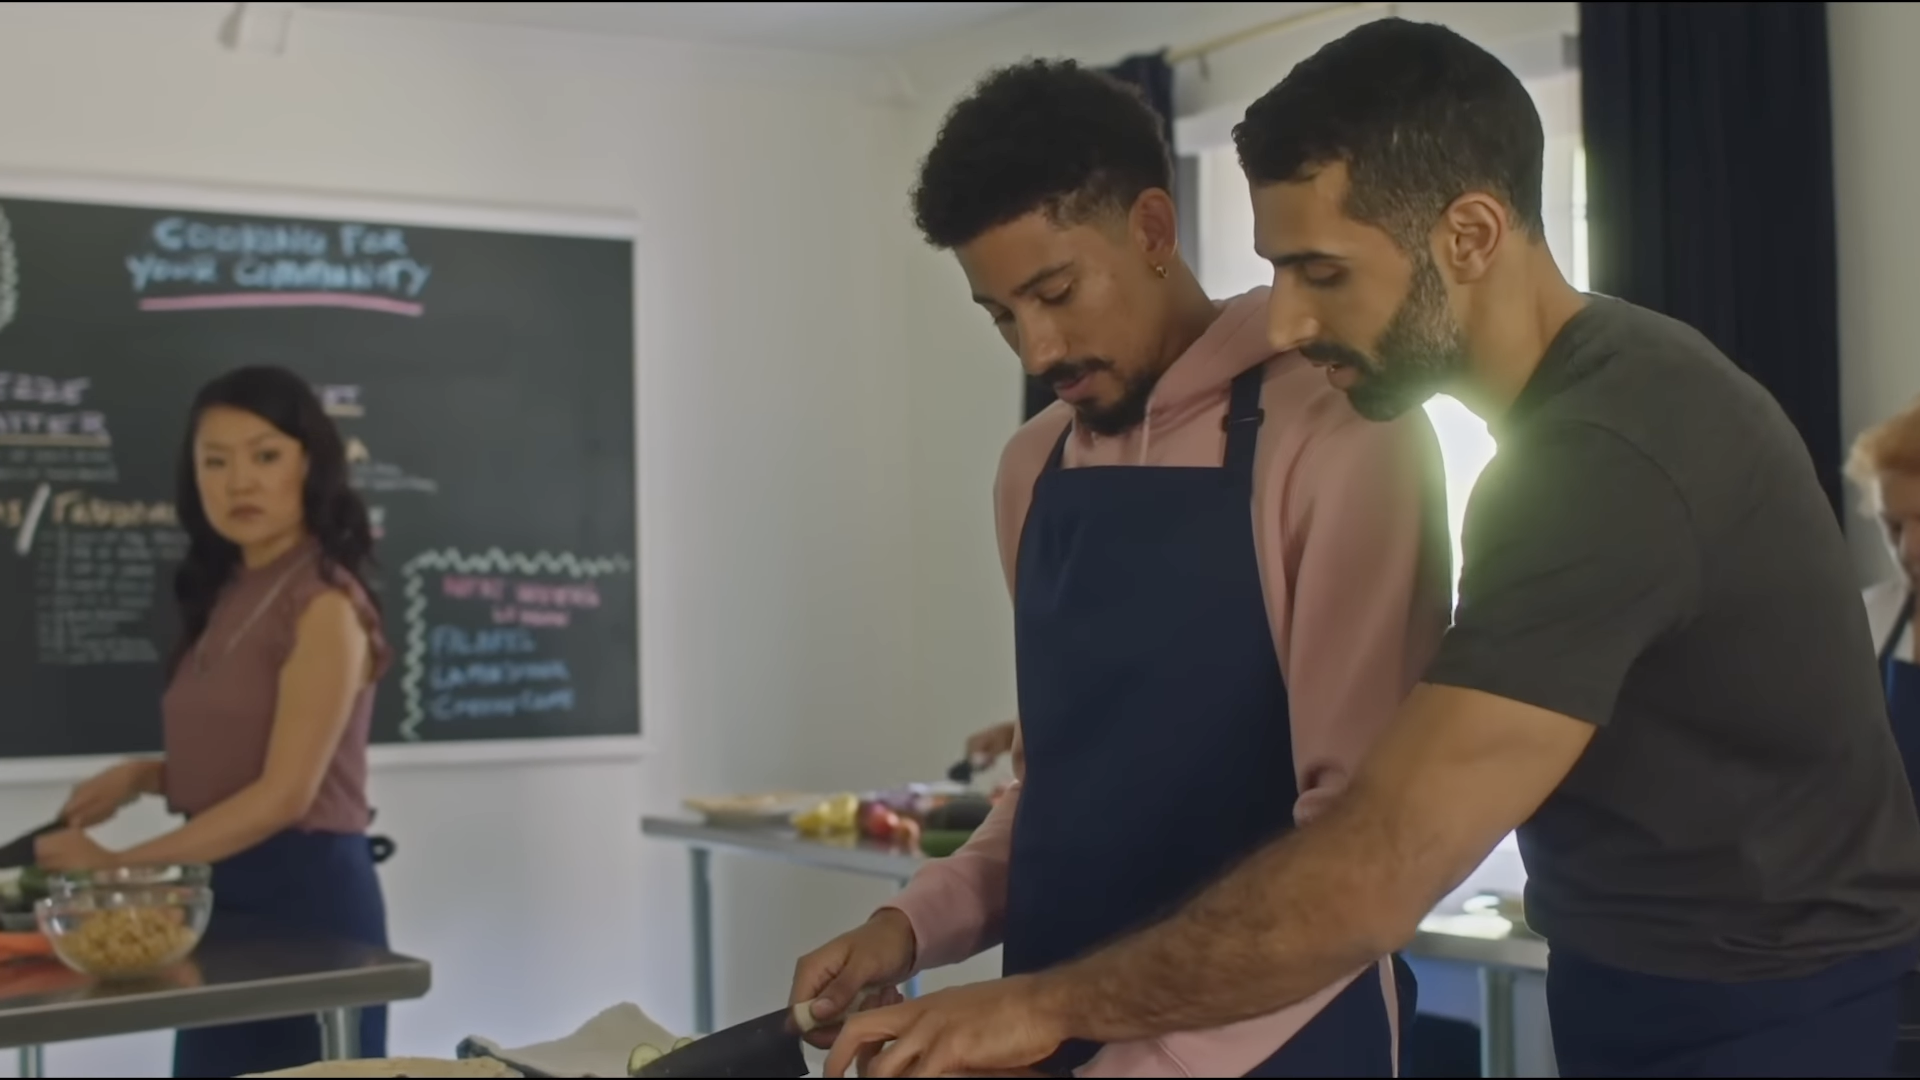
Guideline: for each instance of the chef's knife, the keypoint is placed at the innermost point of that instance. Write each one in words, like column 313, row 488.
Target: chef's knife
column 19, row 852
column 768, row 1046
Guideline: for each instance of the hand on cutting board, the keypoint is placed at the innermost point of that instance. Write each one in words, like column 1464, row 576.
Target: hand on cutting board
column 70, row 849
column 874, row 956
column 997, row 1028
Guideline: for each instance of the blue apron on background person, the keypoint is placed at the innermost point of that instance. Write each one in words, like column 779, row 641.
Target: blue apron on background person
column 294, row 883
column 1903, row 694
column 1155, row 720
column 1903, row 708
column 1837, row 1022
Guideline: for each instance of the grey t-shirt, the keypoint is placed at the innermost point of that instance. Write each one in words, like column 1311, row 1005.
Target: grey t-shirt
column 1651, row 553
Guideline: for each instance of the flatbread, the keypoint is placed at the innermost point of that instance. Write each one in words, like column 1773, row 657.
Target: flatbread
column 473, row 1068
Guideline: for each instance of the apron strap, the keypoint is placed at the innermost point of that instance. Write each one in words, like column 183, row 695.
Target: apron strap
column 1059, row 449
column 1898, row 631
column 1242, row 425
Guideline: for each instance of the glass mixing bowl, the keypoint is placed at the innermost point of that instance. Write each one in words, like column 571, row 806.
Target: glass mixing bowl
column 126, row 923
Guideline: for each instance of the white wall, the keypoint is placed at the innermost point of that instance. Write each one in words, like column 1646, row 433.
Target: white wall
column 776, row 615
column 1876, row 150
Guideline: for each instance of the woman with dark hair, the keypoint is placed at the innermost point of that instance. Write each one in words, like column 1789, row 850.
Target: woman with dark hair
column 268, row 699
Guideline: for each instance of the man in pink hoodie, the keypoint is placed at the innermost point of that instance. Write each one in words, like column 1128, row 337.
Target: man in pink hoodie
column 1224, row 582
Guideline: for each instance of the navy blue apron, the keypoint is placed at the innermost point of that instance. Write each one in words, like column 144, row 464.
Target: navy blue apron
column 1903, row 707
column 1903, row 695
column 1155, row 719
column 1841, row 1021
column 299, row 884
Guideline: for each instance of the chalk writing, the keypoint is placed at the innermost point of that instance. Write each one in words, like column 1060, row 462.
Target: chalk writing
column 57, row 464
column 41, row 410
column 9, row 273
column 95, row 590
column 454, row 641
column 42, row 390
column 205, row 264
column 454, row 676
column 79, row 508
column 448, row 707
column 524, row 602
column 488, row 651
column 341, row 401
column 382, row 478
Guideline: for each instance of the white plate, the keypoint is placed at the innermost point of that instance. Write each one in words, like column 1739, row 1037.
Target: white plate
column 741, row 811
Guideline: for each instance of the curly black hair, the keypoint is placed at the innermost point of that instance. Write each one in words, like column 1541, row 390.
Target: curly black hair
column 1420, row 116
column 1046, row 135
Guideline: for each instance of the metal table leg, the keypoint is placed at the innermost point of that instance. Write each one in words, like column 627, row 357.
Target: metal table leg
column 702, row 943
column 1497, row 1027
column 340, row 1035
column 33, row 1061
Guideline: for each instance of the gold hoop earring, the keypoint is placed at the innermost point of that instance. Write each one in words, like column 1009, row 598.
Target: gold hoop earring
column 1161, row 270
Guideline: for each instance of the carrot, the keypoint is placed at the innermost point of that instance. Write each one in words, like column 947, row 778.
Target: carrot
column 24, row 944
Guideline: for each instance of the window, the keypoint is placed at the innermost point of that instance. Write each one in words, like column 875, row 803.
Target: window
column 1228, row 266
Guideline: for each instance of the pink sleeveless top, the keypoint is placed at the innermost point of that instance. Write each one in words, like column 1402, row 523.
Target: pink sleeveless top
column 219, row 707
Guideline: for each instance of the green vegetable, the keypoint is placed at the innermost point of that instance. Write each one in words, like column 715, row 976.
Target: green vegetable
column 963, row 814
column 939, row 843
column 643, row 1055
column 33, row 884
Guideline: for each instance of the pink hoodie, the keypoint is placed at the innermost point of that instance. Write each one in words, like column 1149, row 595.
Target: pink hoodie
column 1349, row 519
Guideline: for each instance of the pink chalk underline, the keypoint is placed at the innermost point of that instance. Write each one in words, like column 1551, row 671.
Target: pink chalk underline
column 281, row 300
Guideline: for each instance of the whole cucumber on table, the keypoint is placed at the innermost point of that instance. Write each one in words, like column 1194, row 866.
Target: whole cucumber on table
column 33, row 884
column 939, row 843
column 963, row 814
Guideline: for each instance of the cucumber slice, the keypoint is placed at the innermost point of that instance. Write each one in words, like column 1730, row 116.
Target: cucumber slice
column 643, row 1055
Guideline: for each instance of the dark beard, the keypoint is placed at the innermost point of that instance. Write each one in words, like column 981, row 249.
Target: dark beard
column 1118, row 418
column 1418, row 354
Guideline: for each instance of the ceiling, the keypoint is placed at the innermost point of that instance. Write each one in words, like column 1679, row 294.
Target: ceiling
column 838, row 28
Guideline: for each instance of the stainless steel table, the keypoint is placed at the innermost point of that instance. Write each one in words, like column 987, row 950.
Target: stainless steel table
column 1498, row 950
column 238, row 973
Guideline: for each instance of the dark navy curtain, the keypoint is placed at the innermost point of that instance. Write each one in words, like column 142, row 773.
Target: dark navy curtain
column 1709, row 147
column 1154, row 76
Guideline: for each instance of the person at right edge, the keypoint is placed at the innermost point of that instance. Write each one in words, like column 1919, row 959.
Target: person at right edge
column 1885, row 465
column 1658, row 673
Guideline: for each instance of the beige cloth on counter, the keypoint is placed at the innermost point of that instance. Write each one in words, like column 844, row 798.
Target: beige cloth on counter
column 476, row 1068
column 599, row 1048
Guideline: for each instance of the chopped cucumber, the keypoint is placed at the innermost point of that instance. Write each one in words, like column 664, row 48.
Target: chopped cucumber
column 643, row 1055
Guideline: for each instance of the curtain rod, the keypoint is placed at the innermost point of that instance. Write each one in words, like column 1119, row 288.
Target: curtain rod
column 1271, row 26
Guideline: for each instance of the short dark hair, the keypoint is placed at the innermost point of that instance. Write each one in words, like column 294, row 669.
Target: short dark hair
column 1419, row 115
column 1046, row 135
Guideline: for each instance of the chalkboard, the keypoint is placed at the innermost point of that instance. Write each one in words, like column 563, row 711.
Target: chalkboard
column 483, row 379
